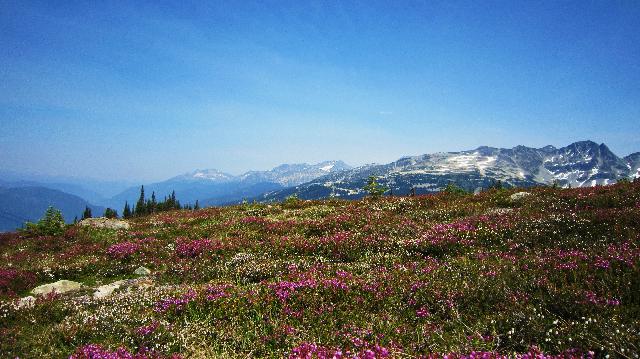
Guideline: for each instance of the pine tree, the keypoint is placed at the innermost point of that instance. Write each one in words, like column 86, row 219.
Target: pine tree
column 110, row 213
column 196, row 206
column 52, row 224
column 126, row 212
column 374, row 189
column 497, row 185
column 153, row 205
column 174, row 204
column 141, row 209
column 87, row 213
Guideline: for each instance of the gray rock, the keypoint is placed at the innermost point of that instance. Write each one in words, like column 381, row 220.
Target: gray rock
column 26, row 302
column 518, row 196
column 103, row 222
column 104, row 291
column 61, row 286
column 142, row 271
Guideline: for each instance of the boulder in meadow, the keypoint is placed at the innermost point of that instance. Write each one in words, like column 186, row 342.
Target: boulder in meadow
column 106, row 290
column 59, row 287
column 519, row 196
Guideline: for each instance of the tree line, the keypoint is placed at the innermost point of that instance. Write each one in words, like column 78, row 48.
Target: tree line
column 145, row 206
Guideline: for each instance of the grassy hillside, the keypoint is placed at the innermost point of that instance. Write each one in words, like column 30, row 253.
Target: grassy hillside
column 554, row 272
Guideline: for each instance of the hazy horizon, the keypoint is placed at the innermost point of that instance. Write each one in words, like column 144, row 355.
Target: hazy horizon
column 35, row 175
column 144, row 91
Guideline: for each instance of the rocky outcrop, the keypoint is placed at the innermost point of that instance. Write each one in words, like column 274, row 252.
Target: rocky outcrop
column 59, row 287
column 107, row 290
column 518, row 196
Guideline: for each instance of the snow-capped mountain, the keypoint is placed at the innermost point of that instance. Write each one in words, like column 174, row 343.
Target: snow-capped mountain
column 212, row 187
column 580, row 164
column 294, row 174
column 207, row 175
column 633, row 162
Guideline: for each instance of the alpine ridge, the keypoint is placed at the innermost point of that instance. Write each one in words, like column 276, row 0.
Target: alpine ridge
column 580, row 164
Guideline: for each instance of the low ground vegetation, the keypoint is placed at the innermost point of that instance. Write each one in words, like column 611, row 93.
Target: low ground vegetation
column 553, row 273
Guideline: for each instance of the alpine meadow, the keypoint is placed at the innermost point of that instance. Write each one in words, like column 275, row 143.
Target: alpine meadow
column 335, row 179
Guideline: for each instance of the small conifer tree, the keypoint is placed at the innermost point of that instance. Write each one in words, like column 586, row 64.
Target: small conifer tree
column 87, row 213
column 153, row 204
column 140, row 205
column 374, row 189
column 51, row 224
column 452, row 188
column 110, row 213
column 126, row 212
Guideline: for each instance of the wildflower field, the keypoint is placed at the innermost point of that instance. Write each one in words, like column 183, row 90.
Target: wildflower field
column 555, row 273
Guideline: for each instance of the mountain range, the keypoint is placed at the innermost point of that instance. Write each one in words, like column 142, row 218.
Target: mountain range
column 213, row 187
column 579, row 164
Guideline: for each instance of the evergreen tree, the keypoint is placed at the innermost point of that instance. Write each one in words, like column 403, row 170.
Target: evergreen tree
column 110, row 213
column 452, row 188
column 52, row 224
column 126, row 212
column 374, row 189
column 196, row 206
column 497, row 185
column 87, row 213
column 174, row 204
column 153, row 205
column 141, row 209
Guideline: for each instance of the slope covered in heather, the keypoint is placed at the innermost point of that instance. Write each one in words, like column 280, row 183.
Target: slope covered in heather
column 501, row 273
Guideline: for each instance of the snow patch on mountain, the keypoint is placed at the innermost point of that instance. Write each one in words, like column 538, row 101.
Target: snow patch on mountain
column 580, row 164
column 286, row 175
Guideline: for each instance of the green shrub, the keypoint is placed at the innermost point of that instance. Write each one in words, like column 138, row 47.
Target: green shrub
column 52, row 224
column 453, row 189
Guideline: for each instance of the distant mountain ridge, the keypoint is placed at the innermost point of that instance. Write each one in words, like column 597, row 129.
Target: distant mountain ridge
column 581, row 164
column 214, row 187
column 22, row 204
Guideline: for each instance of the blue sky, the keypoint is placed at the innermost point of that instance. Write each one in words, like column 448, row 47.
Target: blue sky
column 147, row 90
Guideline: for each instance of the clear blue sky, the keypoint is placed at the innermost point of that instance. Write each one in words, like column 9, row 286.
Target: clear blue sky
column 146, row 90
